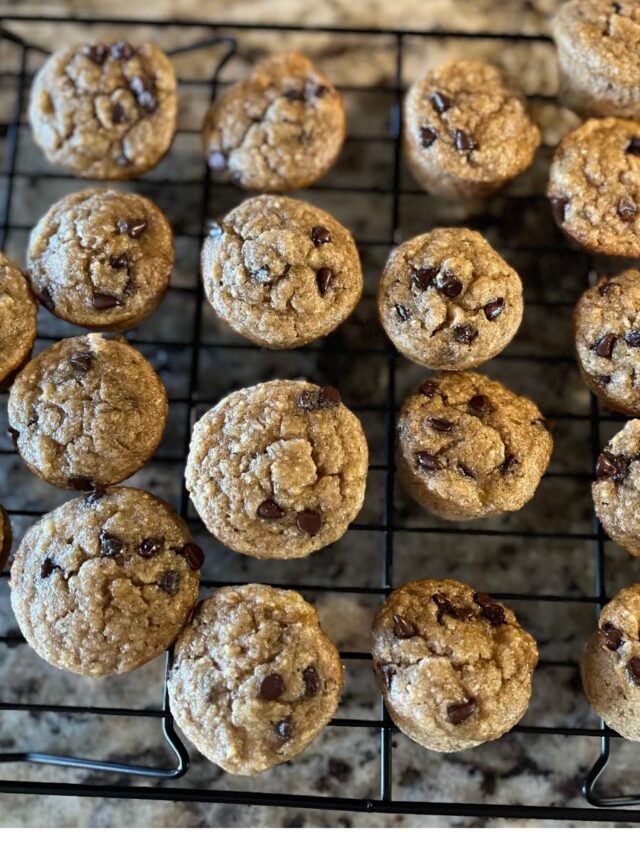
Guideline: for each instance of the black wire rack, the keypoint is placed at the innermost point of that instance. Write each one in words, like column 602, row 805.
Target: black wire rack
column 159, row 782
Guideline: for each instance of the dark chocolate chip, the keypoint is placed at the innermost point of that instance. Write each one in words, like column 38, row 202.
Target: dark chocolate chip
column 491, row 610
column 138, row 85
column 611, row 636
column 460, row 712
column 428, row 462
column 633, row 671
column 441, row 102
column 132, row 227
column 480, row 405
column 122, row 50
column 98, row 492
column 82, row 484
column 96, row 53
column 294, row 95
column 467, row 472
column 48, row 567
column 321, row 91
column 387, row 671
column 494, row 308
column 269, row 510
column 403, row 628
column 104, row 301
column 602, row 378
column 110, row 546
column 119, row 262
column 118, row 114
column 444, row 606
column 217, row 161
column 284, row 729
column 634, row 146
column 272, row 687
column 633, row 338
column 170, row 582
column 508, row 464
column 428, row 388
column 617, row 8
column 194, row 555
column 320, row 235
column 324, row 276
column 464, row 334
column 450, row 286
column 612, row 467
column 147, row 102
column 45, row 297
column 14, row 435
column 82, row 360
column 423, row 277
column 427, row 136
column 605, row 287
column 627, row 210
column 403, row 312
column 150, row 546
column 464, row 142
column 309, row 521
column 441, row 425
column 558, row 208
column 325, row 398
column 604, row 346
column 311, row 681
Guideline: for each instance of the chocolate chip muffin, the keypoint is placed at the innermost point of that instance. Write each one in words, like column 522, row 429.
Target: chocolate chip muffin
column 101, row 259
column 611, row 664
column 278, row 470
column 454, row 666
column 607, row 336
column 87, row 411
column 281, row 272
column 594, row 186
column 18, row 312
column 5, row 537
column 470, row 448
column 104, row 583
column 467, row 131
column 598, row 43
column 616, row 490
column 279, row 130
column 448, row 301
column 255, row 679
column 105, row 111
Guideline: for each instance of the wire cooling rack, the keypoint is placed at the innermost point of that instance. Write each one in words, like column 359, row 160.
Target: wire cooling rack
column 24, row 46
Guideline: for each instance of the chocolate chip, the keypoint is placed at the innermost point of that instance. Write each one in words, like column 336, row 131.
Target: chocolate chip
column 612, row 467
column 427, row 136
column 428, row 462
column 617, row 8
column 634, row 146
column 321, row 91
column 81, row 484
column 403, row 628
column 119, row 262
column 508, row 464
column 464, row 142
column 138, row 85
column 98, row 492
column 441, row 102
column 96, row 53
column 602, row 378
column 462, row 711
column 558, row 208
column 450, row 286
column 14, row 435
column 150, row 546
column 217, row 161
column 269, row 510
column 611, row 637
column 324, row 398
column 633, row 671
column 45, row 297
column 309, row 521
column 110, row 546
column 170, row 582
column 423, row 277
column 118, row 114
column 480, row 405
column 387, row 672
column 121, row 50
column 441, row 425
column 194, row 555
column 604, row 346
column 147, row 102
column 633, row 338
column 605, row 287
column 324, row 276
column 294, row 95
column 494, row 308
column 491, row 610
column 284, row 729
column 464, row 334
column 627, row 210
column 48, row 567
column 467, row 472
column 104, row 301
column 320, row 235
column 272, row 687
column 82, row 361
column 402, row 312
column 132, row 227
column 444, row 606
column 311, row 681
column 428, row 388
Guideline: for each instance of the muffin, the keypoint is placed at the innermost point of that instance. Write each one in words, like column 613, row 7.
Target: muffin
column 18, row 313
column 616, row 490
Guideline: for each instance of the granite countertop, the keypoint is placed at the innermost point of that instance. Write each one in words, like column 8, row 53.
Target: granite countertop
column 520, row 768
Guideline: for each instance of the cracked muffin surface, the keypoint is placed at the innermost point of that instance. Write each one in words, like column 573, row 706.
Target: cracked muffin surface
column 105, row 111
column 616, row 490
column 104, row 583
column 598, row 48
column 453, row 665
column 594, row 186
column 470, row 448
column 281, row 272
column 86, row 411
column 101, row 259
column 607, row 337
column 448, row 301
column 254, row 679
column 467, row 130
column 611, row 664
column 278, row 470
column 18, row 317
column 280, row 129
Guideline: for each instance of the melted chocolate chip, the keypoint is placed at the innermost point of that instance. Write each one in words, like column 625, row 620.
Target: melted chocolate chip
column 284, row 729
column 48, row 567
column 441, row 102
column 45, row 297
column 269, row 510
column 309, row 521
column 462, row 711
column 104, row 301
column 611, row 637
column 122, row 50
column 14, row 435
column 633, row 671
column 321, row 91
column 217, row 161
column 403, row 628
column 320, row 235
column 494, row 308
column 138, row 85
column 441, row 425
column 324, row 398
column 464, row 142
column 110, row 546
column 402, row 312
column 170, row 582
column 508, row 464
column 604, row 346
column 558, row 208
column 387, row 671
column 98, row 492
column 272, row 687
column 427, row 136
column 444, row 606
column 147, row 102
column 491, row 610
column 605, row 287
column 324, row 277
column 311, row 681
column 119, row 262
column 423, row 277
column 480, row 405
column 428, row 462
column 634, row 146
column 118, row 114
column 466, row 472
column 150, row 546
column 194, row 555
column 612, row 467
column 96, row 53
column 627, row 210
column 133, row 227
column 450, row 286
column 428, row 388
column 632, row 338
column 602, row 378
column 82, row 361
column 464, row 334
column 81, row 484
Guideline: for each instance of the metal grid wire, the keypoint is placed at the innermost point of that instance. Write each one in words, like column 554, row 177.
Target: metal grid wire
column 226, row 38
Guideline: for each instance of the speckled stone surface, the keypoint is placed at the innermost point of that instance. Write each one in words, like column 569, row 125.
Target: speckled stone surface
column 519, row 768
